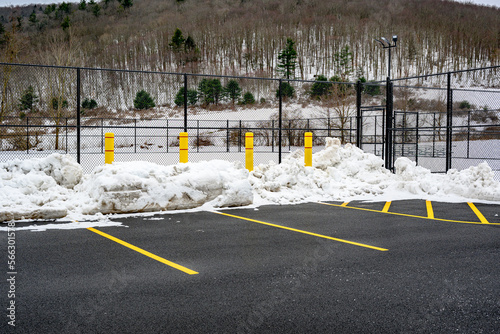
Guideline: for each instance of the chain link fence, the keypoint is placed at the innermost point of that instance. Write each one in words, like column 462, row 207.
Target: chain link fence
column 449, row 120
column 47, row 109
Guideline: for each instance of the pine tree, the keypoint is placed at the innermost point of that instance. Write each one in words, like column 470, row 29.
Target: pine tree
column 287, row 90
column 125, row 4
column 248, row 98
column 28, row 99
column 233, row 90
column 143, row 100
column 210, row 91
column 82, row 5
column 342, row 61
column 33, row 20
column 65, row 23
column 177, row 41
column 286, row 59
column 320, row 89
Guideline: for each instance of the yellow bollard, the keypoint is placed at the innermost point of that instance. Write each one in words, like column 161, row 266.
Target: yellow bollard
column 249, row 151
column 183, row 147
column 308, row 143
column 109, row 148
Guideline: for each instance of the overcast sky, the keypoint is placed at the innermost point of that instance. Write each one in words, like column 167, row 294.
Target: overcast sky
column 4, row 3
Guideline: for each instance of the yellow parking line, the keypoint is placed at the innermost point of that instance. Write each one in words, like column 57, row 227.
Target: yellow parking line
column 344, row 204
column 430, row 211
column 478, row 213
column 386, row 206
column 142, row 251
column 304, row 232
column 406, row 215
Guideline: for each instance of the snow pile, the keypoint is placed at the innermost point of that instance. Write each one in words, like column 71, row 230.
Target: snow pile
column 344, row 173
column 142, row 186
column 337, row 173
column 37, row 188
column 476, row 182
column 55, row 187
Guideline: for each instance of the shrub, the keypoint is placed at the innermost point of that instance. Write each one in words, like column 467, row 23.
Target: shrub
column 192, row 97
column 372, row 89
column 320, row 89
column 55, row 103
column 89, row 104
column 464, row 105
column 248, row 98
column 287, row 91
column 143, row 100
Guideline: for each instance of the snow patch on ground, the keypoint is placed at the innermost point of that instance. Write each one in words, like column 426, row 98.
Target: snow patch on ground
column 55, row 187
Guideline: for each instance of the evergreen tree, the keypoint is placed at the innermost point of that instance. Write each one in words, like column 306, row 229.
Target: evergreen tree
column 189, row 44
column 33, row 19
column 96, row 10
column 125, row 4
column 65, row 23
column 82, row 5
column 143, row 100
column 177, row 41
column 210, row 91
column 286, row 60
column 89, row 104
column 233, row 90
column 287, row 90
column 28, row 99
column 248, row 98
column 55, row 103
column 342, row 61
column 192, row 97
column 320, row 89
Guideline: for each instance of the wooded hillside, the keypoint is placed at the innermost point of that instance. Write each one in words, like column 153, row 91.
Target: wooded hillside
column 244, row 37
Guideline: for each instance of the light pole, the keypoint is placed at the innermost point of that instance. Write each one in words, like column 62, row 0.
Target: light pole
column 389, row 118
column 387, row 45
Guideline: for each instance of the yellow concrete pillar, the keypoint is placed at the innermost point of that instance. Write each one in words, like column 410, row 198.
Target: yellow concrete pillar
column 249, row 151
column 308, row 143
column 183, row 147
column 109, row 148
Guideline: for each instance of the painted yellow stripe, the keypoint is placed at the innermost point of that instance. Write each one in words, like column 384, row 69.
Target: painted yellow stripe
column 142, row 251
column 304, row 232
column 406, row 215
column 478, row 213
column 344, row 204
column 430, row 211
column 386, row 206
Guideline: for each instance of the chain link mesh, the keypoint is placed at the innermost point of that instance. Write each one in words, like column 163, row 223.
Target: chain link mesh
column 147, row 110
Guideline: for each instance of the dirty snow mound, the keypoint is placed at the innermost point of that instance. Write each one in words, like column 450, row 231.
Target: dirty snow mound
column 142, row 186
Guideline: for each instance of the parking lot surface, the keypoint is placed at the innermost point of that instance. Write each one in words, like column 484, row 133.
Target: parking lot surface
column 381, row 267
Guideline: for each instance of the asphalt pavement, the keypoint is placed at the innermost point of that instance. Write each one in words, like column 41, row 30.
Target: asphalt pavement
column 400, row 267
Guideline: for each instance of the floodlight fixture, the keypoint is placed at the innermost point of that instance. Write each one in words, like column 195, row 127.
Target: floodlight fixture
column 388, row 45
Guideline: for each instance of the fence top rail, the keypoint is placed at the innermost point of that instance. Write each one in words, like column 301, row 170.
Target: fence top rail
column 242, row 77
column 168, row 73
column 442, row 73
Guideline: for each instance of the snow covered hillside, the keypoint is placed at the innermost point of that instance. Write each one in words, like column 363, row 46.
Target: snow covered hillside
column 55, row 187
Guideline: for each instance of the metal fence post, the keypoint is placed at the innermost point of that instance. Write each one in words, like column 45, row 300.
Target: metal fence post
column 78, row 128
column 280, row 116
column 185, row 102
column 359, row 128
column 27, row 135
column 389, row 120
column 227, row 136
column 449, row 110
